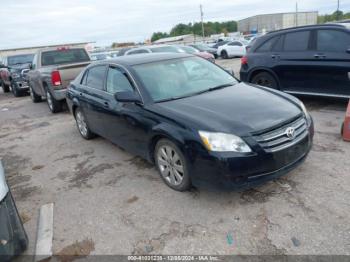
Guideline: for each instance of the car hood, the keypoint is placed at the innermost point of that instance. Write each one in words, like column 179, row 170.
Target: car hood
column 240, row 109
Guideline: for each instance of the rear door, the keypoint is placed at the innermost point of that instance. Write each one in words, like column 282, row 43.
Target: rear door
column 93, row 99
column 333, row 62
column 292, row 63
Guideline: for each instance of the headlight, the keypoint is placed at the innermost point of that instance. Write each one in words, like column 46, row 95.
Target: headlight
column 306, row 113
column 221, row 142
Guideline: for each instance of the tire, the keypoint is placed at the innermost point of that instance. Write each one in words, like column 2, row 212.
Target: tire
column 224, row 54
column 35, row 98
column 172, row 165
column 54, row 105
column 5, row 88
column 15, row 90
column 265, row 79
column 82, row 125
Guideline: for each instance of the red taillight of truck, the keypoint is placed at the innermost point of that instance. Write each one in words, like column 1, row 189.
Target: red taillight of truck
column 56, row 78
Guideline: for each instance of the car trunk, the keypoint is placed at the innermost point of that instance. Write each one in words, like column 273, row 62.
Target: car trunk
column 70, row 71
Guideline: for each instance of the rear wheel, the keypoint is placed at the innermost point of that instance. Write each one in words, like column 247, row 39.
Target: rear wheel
column 54, row 105
column 265, row 79
column 172, row 165
column 82, row 125
column 224, row 54
column 35, row 98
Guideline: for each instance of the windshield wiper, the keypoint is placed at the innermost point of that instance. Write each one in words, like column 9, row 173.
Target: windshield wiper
column 219, row 87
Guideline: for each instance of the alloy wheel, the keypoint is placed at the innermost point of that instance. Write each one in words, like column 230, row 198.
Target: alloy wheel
column 170, row 165
column 82, row 126
column 263, row 82
column 49, row 100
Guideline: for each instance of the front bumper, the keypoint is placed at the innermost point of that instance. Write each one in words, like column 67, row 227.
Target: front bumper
column 234, row 171
column 21, row 84
column 13, row 238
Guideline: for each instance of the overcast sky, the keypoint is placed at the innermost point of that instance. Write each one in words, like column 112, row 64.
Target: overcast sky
column 40, row 22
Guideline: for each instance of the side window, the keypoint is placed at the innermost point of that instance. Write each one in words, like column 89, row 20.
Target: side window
column 332, row 41
column 117, row 81
column 298, row 41
column 95, row 77
column 34, row 61
column 235, row 44
column 267, row 45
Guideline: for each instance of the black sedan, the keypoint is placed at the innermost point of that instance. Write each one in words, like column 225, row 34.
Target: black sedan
column 196, row 122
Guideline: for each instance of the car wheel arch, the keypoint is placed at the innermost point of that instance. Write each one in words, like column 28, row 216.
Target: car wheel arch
column 162, row 134
column 256, row 71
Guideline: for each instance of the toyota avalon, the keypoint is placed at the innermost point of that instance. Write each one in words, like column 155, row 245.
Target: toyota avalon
column 192, row 119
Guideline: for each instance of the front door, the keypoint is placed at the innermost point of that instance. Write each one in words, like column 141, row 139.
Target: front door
column 126, row 125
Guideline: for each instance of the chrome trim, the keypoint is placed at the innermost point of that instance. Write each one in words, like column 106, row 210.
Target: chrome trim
column 3, row 185
column 316, row 94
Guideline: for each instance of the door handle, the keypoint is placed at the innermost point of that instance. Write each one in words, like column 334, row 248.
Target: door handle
column 275, row 56
column 81, row 94
column 318, row 56
column 106, row 104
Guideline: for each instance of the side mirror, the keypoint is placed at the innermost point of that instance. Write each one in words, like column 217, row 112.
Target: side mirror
column 127, row 96
column 230, row 71
column 348, row 50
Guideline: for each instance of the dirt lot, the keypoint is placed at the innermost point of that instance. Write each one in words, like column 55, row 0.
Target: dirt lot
column 110, row 202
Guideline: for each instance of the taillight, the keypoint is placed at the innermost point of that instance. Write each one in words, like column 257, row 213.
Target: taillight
column 244, row 60
column 56, row 78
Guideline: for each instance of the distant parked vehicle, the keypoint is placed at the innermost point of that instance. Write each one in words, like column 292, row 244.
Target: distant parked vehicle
column 51, row 72
column 100, row 56
column 192, row 119
column 13, row 74
column 205, row 48
column 219, row 43
column 308, row 60
column 233, row 49
column 13, row 237
column 193, row 51
column 154, row 49
column 122, row 51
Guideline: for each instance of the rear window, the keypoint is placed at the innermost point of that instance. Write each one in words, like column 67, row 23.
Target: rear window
column 332, row 41
column 20, row 59
column 66, row 56
column 298, row 41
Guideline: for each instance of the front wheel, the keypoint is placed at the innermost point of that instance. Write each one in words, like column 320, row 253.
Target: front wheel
column 224, row 54
column 54, row 105
column 35, row 98
column 15, row 90
column 5, row 88
column 172, row 165
column 265, row 79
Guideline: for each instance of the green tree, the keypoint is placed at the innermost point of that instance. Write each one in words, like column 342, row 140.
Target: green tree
column 158, row 35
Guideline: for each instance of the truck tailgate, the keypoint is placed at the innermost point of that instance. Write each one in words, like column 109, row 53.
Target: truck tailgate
column 69, row 72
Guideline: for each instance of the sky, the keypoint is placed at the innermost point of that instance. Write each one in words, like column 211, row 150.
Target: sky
column 25, row 23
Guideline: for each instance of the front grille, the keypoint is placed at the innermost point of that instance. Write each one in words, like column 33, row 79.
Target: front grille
column 277, row 139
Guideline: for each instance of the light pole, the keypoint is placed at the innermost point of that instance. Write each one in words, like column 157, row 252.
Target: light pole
column 338, row 11
column 201, row 10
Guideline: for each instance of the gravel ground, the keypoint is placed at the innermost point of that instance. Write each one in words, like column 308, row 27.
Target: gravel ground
column 110, row 202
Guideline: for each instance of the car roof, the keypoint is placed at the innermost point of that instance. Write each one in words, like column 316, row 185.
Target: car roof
column 318, row 26
column 144, row 58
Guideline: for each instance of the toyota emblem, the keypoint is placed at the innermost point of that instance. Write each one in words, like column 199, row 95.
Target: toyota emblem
column 290, row 132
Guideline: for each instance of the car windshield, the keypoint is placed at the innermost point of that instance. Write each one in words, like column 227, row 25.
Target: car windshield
column 64, row 56
column 20, row 59
column 178, row 78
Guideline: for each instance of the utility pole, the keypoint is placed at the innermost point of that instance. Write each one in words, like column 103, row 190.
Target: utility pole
column 296, row 13
column 338, row 11
column 201, row 10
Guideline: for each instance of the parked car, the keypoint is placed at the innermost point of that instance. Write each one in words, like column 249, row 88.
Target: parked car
column 193, row 51
column 13, row 73
column 154, row 49
column 51, row 72
column 308, row 60
column 100, row 56
column 196, row 122
column 123, row 50
column 220, row 43
column 13, row 237
column 206, row 48
column 232, row 49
